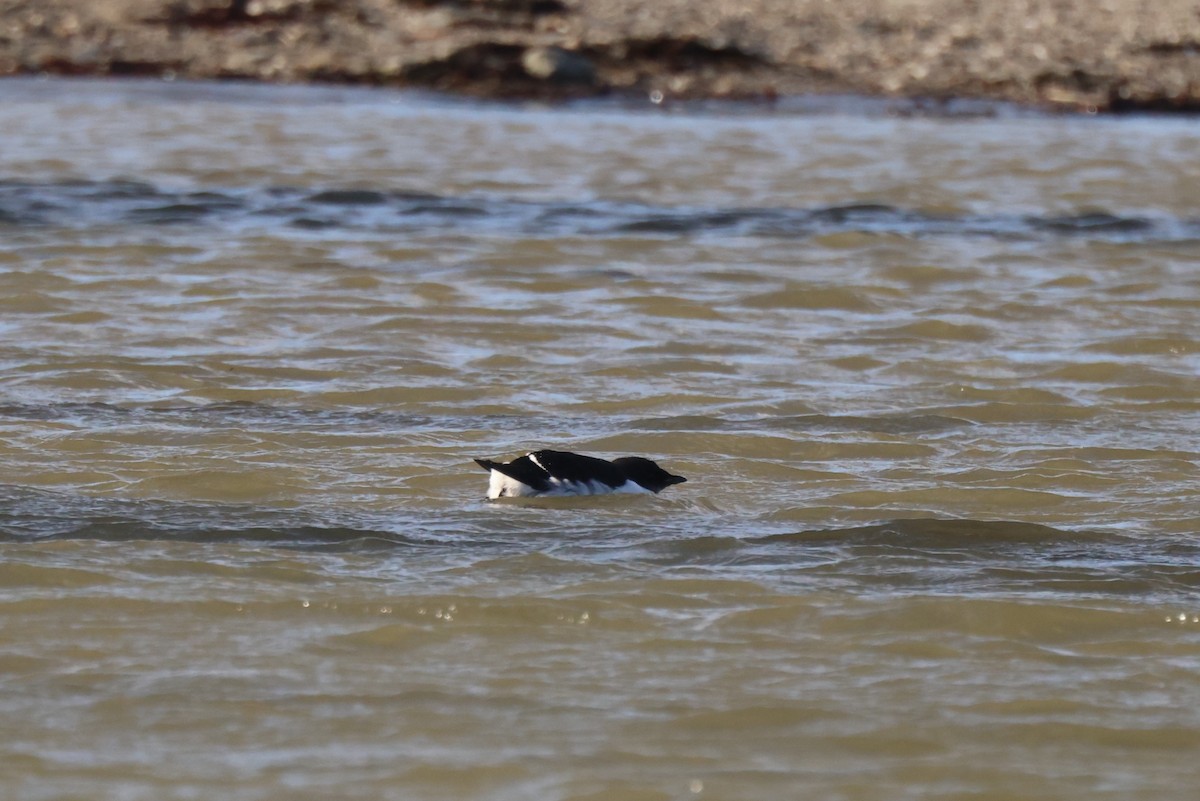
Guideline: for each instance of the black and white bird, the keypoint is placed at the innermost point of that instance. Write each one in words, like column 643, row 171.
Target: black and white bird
column 549, row 473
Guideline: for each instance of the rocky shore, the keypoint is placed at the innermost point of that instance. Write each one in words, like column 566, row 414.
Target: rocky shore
column 1105, row 55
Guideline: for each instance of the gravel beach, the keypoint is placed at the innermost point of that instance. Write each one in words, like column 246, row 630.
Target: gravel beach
column 1106, row 55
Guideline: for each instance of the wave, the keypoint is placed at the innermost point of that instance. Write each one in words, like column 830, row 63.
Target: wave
column 923, row 556
column 36, row 515
column 279, row 417
column 944, row 534
column 916, row 423
column 28, row 513
column 83, row 204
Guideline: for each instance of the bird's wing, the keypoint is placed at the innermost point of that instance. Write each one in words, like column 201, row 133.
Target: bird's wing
column 567, row 466
column 523, row 470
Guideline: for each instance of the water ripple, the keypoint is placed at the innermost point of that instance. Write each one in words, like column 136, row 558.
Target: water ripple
column 114, row 202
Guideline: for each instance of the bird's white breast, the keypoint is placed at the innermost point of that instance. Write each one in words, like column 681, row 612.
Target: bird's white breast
column 502, row 486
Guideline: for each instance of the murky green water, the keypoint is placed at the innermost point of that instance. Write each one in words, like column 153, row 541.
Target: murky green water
column 935, row 384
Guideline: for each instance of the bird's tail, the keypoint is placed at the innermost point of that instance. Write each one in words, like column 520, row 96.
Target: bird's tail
column 486, row 464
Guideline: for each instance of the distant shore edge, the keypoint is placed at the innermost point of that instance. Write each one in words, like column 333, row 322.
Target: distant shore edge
column 1107, row 56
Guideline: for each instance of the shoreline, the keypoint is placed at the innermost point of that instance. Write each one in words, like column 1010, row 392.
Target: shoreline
column 1112, row 56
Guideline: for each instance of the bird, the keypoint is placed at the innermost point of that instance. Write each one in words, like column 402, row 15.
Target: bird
column 556, row 473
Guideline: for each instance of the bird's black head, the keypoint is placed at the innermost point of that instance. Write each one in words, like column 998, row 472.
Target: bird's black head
column 647, row 473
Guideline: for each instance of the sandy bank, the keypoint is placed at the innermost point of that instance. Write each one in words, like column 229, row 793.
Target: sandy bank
column 1103, row 54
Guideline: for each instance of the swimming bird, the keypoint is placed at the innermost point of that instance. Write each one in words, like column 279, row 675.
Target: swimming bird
column 549, row 473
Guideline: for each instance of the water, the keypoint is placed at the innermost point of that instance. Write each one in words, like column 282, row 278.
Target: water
column 935, row 384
